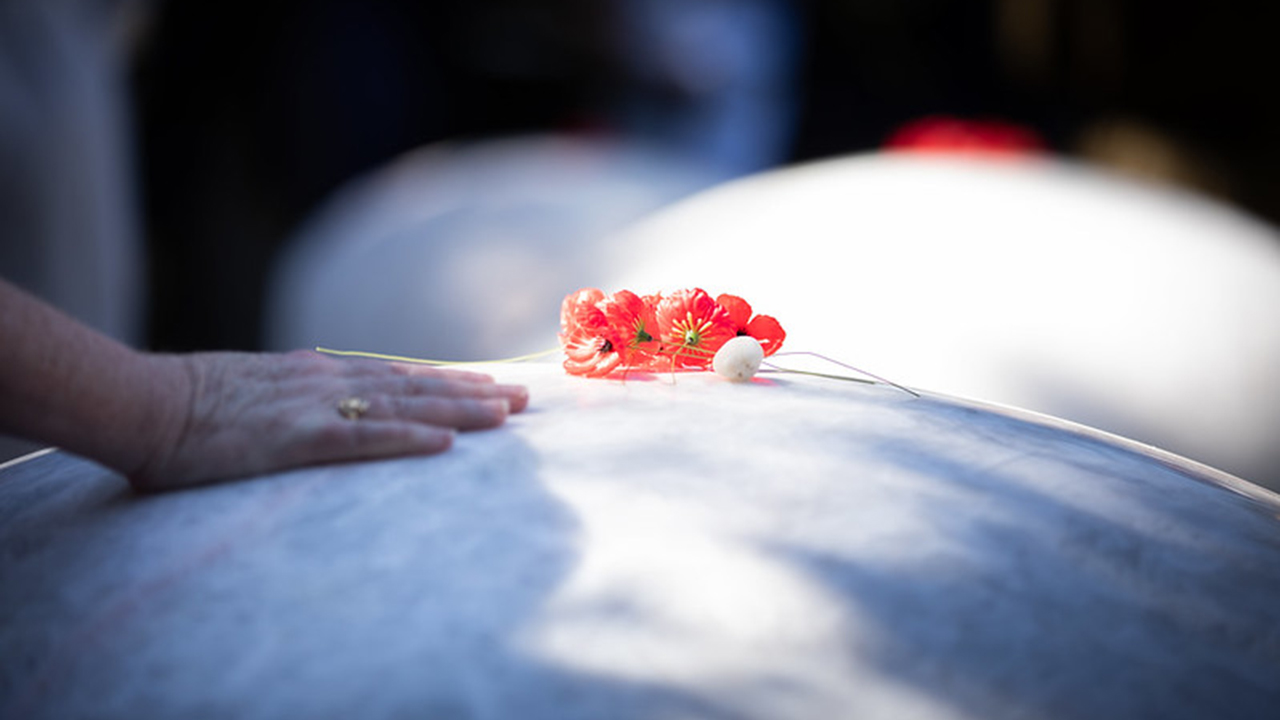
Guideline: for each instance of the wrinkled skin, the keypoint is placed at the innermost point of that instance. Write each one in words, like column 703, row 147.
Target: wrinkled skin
column 246, row 414
column 167, row 421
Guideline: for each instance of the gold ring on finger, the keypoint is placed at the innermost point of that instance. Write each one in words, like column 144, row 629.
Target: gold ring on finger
column 353, row 408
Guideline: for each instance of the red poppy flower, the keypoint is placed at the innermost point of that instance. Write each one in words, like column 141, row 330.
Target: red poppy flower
column 577, row 304
column 591, row 344
column 691, row 327
column 763, row 328
column 632, row 319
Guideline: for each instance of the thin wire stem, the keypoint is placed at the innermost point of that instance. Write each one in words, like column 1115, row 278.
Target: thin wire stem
column 424, row 361
column 811, row 373
column 847, row 366
column 680, row 350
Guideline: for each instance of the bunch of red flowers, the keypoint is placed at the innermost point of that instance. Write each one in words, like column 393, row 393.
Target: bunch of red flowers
column 682, row 330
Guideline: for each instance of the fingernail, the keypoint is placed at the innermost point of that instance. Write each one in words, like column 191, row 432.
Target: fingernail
column 517, row 395
column 438, row 439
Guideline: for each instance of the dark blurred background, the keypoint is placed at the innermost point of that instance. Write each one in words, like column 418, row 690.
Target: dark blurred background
column 250, row 113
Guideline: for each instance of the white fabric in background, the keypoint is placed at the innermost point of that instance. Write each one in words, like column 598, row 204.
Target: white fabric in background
column 464, row 251
column 1145, row 311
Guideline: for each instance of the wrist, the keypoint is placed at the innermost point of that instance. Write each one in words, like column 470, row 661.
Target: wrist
column 164, row 417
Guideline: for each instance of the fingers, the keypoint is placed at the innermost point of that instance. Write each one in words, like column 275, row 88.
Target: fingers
column 395, row 426
column 342, row 441
column 460, row 413
column 371, row 377
column 445, row 398
column 366, row 366
column 256, row 413
column 516, row 396
column 431, row 371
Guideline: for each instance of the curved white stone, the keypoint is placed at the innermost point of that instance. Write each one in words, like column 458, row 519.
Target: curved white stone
column 667, row 546
column 738, row 359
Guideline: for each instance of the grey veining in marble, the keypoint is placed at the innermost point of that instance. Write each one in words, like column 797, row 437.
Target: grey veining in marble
column 659, row 548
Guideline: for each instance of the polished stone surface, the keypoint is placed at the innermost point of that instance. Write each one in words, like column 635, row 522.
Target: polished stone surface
column 663, row 547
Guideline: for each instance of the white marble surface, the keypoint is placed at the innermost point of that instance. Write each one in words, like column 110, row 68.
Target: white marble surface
column 792, row 548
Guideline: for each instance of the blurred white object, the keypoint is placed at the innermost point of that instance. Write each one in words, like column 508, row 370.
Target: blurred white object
column 1143, row 311
column 464, row 252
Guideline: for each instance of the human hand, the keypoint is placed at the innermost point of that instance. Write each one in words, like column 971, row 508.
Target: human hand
column 245, row 414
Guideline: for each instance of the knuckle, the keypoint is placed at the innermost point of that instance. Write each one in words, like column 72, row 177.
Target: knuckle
column 425, row 386
column 413, row 369
column 388, row 406
column 310, row 364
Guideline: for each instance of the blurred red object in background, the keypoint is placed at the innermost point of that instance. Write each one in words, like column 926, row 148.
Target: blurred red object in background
column 955, row 135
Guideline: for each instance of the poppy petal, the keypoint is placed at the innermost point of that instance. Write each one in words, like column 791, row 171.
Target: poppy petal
column 739, row 310
column 768, row 331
